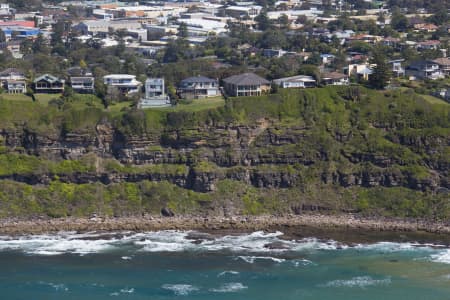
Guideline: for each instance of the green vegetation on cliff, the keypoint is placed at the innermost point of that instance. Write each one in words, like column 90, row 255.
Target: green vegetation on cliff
column 333, row 149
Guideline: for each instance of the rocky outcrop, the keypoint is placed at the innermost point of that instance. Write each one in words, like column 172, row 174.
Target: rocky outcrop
column 256, row 154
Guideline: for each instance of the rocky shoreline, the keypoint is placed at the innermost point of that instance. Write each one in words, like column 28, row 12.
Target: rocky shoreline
column 292, row 224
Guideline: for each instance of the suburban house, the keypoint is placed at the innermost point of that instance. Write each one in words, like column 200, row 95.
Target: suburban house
column 247, row 84
column 82, row 84
column 424, row 69
column 334, row 78
column 300, row 81
column 11, row 74
column 273, row 52
column 327, row 58
column 198, row 87
column 240, row 12
column 155, row 95
column 361, row 71
column 444, row 65
column 428, row 45
column 427, row 27
column 13, row 81
column 15, row 86
column 391, row 42
column 126, row 84
column 48, row 84
column 397, row 68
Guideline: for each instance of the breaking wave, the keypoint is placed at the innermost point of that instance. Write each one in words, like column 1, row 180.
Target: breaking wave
column 442, row 257
column 180, row 289
column 256, row 246
column 231, row 287
column 357, row 282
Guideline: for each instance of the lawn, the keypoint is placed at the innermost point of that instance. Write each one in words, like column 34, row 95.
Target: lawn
column 196, row 105
column 434, row 100
column 41, row 98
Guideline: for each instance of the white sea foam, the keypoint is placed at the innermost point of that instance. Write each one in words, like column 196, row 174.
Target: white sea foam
column 357, row 282
column 252, row 259
column 58, row 244
column 262, row 243
column 59, row 287
column 180, row 289
column 224, row 273
column 127, row 291
column 230, row 287
column 303, row 262
column 442, row 257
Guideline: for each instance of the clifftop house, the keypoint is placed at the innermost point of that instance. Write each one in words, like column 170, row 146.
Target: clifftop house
column 48, row 84
column 126, row 84
column 247, row 84
column 198, row 87
column 155, row 95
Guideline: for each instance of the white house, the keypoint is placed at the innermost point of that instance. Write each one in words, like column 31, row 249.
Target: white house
column 300, row 81
column 155, row 95
column 362, row 71
column 126, row 84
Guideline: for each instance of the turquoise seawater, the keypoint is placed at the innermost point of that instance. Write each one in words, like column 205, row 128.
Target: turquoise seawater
column 183, row 265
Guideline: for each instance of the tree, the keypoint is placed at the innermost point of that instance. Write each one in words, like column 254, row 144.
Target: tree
column 40, row 45
column 283, row 20
column 273, row 39
column 263, row 21
column 182, row 30
column 399, row 21
column 83, row 64
column 381, row 72
column 439, row 18
column 68, row 92
column 310, row 70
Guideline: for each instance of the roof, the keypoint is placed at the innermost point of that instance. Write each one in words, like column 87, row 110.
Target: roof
column 119, row 76
column 421, row 64
column 82, row 79
column 298, row 78
column 29, row 24
column 198, row 79
column 48, row 78
column 15, row 81
column 430, row 43
column 246, row 79
column 443, row 61
column 10, row 71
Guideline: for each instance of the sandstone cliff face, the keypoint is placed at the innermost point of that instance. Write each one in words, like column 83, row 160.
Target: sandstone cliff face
column 263, row 155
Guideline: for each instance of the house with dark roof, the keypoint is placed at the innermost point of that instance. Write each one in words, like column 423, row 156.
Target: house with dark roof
column 247, row 84
column 48, row 84
column 424, row 69
column 198, row 87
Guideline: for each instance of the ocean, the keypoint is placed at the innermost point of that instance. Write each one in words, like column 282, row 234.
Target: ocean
column 192, row 265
